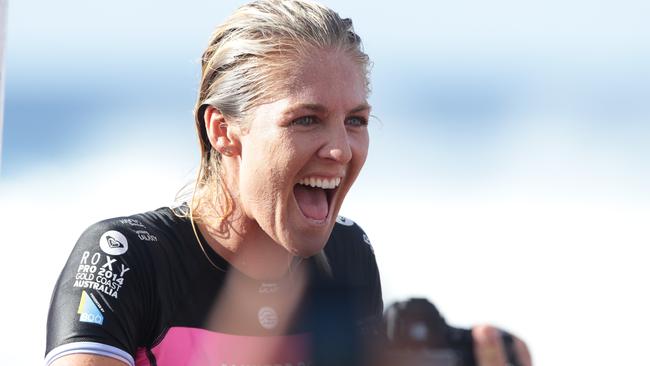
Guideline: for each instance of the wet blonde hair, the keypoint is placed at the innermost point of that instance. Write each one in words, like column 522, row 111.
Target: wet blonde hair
column 248, row 62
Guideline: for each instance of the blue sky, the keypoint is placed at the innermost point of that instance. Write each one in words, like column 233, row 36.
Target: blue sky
column 509, row 167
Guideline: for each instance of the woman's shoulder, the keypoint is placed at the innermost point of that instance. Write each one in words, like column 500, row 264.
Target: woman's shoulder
column 141, row 227
column 349, row 251
column 136, row 248
column 109, row 289
column 352, row 261
column 133, row 235
column 350, row 233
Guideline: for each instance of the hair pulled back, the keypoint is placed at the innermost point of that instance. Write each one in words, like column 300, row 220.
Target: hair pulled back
column 248, row 62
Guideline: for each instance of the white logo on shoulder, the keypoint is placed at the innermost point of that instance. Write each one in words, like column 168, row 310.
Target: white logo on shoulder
column 268, row 317
column 344, row 221
column 366, row 239
column 114, row 243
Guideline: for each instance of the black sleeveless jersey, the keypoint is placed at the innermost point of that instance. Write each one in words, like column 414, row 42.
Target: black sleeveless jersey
column 142, row 289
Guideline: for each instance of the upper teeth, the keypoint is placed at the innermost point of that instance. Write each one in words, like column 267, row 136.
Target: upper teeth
column 321, row 182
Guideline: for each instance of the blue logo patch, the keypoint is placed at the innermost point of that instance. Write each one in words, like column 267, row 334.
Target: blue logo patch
column 88, row 311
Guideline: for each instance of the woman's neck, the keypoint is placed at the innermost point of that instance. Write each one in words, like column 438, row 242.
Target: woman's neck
column 244, row 245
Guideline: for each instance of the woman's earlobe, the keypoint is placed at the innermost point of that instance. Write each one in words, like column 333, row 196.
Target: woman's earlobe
column 224, row 147
column 233, row 135
column 221, row 134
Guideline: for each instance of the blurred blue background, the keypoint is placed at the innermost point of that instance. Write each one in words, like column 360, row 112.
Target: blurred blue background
column 508, row 179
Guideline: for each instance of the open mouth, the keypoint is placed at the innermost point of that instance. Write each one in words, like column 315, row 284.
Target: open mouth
column 315, row 195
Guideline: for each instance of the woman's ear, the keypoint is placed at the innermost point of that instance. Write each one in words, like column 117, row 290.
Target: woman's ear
column 223, row 136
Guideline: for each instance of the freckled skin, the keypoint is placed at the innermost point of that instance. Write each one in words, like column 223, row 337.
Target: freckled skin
column 318, row 128
column 275, row 156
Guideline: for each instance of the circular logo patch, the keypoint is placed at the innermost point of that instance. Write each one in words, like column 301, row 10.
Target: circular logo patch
column 366, row 239
column 268, row 317
column 344, row 221
column 114, row 243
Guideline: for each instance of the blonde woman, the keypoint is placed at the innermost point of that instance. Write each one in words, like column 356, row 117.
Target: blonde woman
column 256, row 268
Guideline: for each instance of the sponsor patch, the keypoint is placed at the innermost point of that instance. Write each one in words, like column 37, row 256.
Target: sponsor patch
column 100, row 272
column 344, row 221
column 114, row 243
column 268, row 317
column 133, row 222
column 88, row 310
column 146, row 236
column 268, row 288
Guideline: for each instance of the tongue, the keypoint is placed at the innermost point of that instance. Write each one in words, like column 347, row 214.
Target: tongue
column 312, row 201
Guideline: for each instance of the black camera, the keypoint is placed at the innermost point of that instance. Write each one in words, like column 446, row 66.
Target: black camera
column 417, row 335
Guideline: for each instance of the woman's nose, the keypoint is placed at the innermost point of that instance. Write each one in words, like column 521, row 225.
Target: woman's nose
column 337, row 146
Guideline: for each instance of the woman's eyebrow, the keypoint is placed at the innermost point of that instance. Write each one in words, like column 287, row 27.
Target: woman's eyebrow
column 361, row 108
column 314, row 107
column 319, row 108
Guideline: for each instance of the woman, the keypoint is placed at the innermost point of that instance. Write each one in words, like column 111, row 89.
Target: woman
column 257, row 268
column 281, row 116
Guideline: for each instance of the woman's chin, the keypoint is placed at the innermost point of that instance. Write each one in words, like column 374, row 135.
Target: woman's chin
column 304, row 236
column 305, row 246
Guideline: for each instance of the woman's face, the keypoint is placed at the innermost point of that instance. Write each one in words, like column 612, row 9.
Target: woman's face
column 300, row 154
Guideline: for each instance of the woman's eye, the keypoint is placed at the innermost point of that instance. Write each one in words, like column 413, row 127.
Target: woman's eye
column 304, row 121
column 356, row 121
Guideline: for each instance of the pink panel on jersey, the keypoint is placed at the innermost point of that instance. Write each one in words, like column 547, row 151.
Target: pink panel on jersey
column 194, row 347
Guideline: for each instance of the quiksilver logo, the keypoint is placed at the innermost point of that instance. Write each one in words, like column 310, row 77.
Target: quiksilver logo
column 114, row 243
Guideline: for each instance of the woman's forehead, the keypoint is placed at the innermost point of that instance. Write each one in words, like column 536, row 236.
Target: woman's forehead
column 327, row 77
